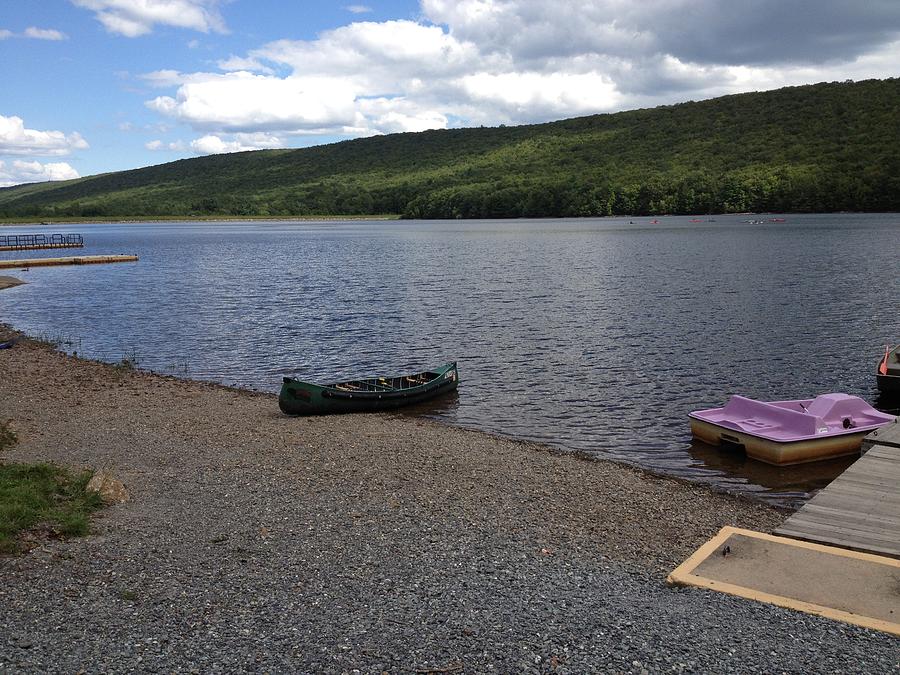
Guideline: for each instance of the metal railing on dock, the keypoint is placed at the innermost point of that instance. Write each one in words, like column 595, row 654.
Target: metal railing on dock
column 26, row 242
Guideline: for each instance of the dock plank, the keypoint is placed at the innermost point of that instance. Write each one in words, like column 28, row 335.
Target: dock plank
column 860, row 509
column 868, row 493
column 839, row 529
column 864, row 481
column 887, row 436
column 839, row 512
column 844, row 522
column 840, row 536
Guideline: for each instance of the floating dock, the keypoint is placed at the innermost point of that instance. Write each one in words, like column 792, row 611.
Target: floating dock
column 860, row 509
column 25, row 242
column 80, row 260
column 836, row 557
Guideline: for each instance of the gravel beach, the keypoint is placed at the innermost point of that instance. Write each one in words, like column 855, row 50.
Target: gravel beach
column 254, row 541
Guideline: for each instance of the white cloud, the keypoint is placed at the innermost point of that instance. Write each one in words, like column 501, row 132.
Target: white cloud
column 376, row 54
column 469, row 62
column 163, row 78
column 34, row 33
column 394, row 115
column 34, row 172
column 44, row 34
column 174, row 146
column 355, row 80
column 132, row 18
column 15, row 139
column 243, row 101
column 358, row 9
column 213, row 145
column 547, row 94
column 696, row 31
column 252, row 65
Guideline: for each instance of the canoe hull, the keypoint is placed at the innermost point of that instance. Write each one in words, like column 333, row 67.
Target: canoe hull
column 304, row 398
column 776, row 453
column 888, row 384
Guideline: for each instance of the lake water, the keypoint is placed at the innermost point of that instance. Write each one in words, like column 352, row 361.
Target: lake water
column 596, row 335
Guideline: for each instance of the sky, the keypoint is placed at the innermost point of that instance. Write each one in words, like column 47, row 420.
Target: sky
column 91, row 86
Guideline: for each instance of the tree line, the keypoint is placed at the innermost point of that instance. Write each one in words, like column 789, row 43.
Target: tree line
column 818, row 148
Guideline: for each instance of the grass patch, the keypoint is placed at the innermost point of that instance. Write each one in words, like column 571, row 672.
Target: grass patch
column 41, row 496
column 33, row 495
column 58, row 341
column 127, row 364
column 128, row 595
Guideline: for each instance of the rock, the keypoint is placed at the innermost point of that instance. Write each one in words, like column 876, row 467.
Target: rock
column 110, row 489
column 9, row 282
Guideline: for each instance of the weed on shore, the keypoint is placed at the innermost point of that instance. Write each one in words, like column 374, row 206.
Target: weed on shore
column 41, row 498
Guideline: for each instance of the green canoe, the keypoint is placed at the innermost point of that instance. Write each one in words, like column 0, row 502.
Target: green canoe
column 366, row 395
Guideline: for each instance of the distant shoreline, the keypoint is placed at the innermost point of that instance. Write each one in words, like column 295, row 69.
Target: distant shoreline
column 194, row 219
column 382, row 217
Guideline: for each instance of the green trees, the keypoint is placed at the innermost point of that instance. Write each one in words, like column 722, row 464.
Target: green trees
column 825, row 147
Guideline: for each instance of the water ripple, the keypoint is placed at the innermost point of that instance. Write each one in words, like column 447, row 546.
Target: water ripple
column 591, row 335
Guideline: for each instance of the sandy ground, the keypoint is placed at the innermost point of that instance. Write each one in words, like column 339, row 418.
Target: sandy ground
column 365, row 543
column 86, row 414
column 9, row 282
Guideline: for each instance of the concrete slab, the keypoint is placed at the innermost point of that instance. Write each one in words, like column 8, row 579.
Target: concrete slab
column 850, row 586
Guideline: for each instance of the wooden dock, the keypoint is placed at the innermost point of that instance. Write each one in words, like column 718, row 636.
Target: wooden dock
column 80, row 260
column 860, row 509
column 27, row 242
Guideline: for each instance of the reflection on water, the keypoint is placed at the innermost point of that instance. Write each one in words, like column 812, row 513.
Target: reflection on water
column 591, row 335
column 786, row 485
column 889, row 403
column 444, row 405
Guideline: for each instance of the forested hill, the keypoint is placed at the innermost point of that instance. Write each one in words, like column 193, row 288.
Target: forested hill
column 824, row 147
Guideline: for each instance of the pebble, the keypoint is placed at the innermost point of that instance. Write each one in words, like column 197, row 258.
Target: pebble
column 255, row 542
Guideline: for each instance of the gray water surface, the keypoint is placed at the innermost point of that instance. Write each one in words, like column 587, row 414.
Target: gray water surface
column 597, row 335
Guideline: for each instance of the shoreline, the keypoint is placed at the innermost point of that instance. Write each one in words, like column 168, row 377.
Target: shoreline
column 9, row 282
column 125, row 220
column 113, row 376
column 380, row 543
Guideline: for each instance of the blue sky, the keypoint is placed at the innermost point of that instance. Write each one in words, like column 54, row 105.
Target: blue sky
column 90, row 86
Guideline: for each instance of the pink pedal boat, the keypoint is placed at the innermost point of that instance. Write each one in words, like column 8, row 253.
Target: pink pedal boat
column 790, row 432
